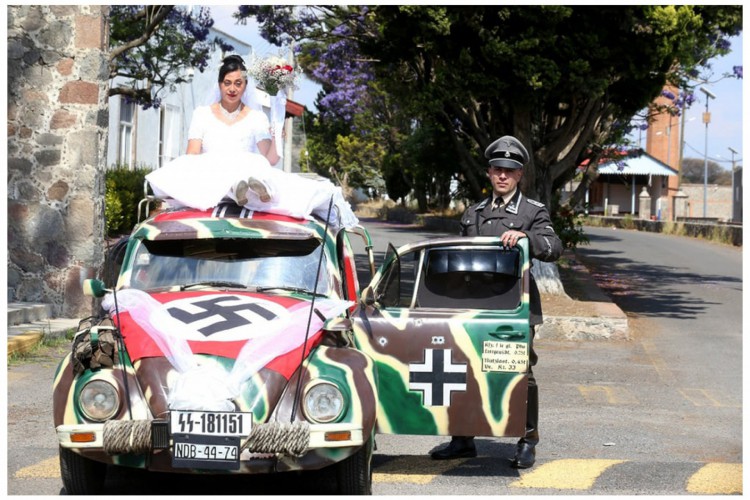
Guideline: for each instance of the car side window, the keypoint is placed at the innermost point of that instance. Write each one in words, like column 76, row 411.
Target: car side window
column 470, row 278
column 396, row 289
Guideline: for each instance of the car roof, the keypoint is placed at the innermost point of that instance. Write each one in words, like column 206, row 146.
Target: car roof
column 190, row 223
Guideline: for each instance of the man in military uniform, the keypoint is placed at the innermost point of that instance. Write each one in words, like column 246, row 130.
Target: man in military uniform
column 512, row 216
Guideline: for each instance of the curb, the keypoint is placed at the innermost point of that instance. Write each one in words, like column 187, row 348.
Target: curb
column 584, row 328
column 606, row 321
column 23, row 338
column 24, row 342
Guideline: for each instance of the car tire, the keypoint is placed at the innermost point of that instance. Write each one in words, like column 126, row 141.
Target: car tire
column 80, row 475
column 354, row 474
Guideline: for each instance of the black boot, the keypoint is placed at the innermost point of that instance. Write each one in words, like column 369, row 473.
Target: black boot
column 525, row 450
column 459, row 447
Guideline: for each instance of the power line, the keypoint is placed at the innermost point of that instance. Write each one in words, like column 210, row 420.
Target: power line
column 716, row 160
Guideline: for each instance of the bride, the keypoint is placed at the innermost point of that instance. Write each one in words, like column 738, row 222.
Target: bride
column 229, row 154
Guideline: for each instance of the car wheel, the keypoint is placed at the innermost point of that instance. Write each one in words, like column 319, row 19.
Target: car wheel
column 80, row 475
column 354, row 475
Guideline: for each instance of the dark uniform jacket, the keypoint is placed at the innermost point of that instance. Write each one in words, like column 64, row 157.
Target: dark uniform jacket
column 520, row 214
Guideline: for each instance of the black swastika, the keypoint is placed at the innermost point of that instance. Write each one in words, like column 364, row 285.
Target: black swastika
column 213, row 307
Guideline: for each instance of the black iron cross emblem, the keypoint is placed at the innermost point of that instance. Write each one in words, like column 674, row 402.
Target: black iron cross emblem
column 437, row 377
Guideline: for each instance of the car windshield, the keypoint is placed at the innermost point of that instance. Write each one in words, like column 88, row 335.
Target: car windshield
column 229, row 263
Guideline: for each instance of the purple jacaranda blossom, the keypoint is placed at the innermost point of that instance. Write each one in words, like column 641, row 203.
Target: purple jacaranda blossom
column 668, row 94
column 737, row 70
column 723, row 44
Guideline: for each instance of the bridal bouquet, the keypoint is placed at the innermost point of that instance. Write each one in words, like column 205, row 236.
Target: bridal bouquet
column 274, row 74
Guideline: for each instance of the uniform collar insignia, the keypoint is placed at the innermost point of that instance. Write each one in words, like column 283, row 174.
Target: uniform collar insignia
column 484, row 203
column 512, row 206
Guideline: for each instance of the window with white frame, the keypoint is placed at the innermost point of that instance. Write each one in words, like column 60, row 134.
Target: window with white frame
column 125, row 136
column 169, row 134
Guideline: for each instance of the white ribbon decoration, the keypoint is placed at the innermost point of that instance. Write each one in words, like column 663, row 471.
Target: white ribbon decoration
column 278, row 114
column 210, row 387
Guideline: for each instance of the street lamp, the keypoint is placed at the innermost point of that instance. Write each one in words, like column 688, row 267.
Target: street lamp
column 706, row 120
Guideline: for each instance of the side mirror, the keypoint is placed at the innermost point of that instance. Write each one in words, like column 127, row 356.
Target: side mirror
column 94, row 288
column 367, row 297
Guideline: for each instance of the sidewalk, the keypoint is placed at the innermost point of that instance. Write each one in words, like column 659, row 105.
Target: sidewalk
column 28, row 324
column 584, row 312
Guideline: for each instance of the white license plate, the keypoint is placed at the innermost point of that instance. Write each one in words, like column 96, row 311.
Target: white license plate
column 210, row 423
column 205, row 452
column 190, row 451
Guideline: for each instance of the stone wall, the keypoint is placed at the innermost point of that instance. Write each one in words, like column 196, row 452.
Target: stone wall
column 718, row 201
column 57, row 119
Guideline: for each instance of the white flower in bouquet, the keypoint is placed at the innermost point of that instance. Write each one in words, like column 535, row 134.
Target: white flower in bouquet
column 274, row 74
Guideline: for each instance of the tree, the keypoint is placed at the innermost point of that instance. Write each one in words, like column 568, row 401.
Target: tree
column 154, row 46
column 566, row 80
column 694, row 170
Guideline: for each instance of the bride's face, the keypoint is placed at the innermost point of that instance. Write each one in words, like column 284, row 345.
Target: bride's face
column 232, row 87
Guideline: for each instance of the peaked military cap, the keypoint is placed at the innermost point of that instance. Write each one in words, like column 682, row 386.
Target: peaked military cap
column 507, row 152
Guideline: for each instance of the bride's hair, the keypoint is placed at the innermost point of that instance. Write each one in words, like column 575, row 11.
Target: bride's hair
column 230, row 64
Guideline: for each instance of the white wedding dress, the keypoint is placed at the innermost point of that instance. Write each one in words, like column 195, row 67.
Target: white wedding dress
column 230, row 155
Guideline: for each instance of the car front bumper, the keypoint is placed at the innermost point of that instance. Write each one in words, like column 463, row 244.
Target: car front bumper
column 145, row 436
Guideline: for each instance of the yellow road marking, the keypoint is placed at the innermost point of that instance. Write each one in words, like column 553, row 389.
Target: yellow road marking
column 49, row 468
column 411, row 469
column 612, row 395
column 704, row 397
column 568, row 474
column 15, row 376
column 717, row 479
column 659, row 364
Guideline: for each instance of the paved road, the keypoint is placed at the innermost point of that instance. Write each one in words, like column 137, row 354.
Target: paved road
column 659, row 414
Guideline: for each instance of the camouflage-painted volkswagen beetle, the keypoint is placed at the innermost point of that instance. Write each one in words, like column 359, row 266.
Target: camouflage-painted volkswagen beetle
column 238, row 343
column 226, row 348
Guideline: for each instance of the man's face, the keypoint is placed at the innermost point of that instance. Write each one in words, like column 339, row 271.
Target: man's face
column 504, row 180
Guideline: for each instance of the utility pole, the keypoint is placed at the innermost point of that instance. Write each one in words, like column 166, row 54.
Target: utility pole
column 733, row 195
column 706, row 120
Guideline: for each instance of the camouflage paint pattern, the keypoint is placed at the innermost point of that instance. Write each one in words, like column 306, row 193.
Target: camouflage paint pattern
column 398, row 339
column 191, row 224
column 267, row 394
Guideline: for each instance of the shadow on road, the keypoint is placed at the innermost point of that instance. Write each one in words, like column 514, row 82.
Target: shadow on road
column 651, row 290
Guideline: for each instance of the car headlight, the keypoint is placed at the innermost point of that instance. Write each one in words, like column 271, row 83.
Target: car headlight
column 99, row 400
column 323, row 402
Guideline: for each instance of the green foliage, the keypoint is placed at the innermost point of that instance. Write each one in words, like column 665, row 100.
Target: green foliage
column 693, row 171
column 563, row 79
column 113, row 217
column 359, row 157
column 154, row 47
column 124, row 190
column 353, row 155
column 627, row 222
column 569, row 227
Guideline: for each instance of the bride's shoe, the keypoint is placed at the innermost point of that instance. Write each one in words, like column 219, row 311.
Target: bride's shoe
column 240, row 193
column 259, row 188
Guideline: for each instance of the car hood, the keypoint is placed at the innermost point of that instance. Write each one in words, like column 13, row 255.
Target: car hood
column 207, row 344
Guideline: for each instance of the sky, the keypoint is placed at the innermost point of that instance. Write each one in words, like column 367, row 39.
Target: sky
column 724, row 130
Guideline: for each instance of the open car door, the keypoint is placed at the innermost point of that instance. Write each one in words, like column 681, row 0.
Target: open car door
column 447, row 323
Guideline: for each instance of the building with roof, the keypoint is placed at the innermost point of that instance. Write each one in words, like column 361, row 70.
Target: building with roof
column 636, row 183
column 648, row 183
